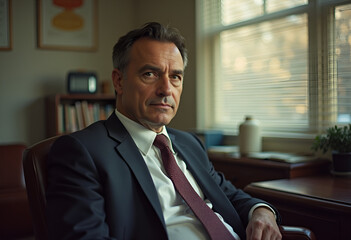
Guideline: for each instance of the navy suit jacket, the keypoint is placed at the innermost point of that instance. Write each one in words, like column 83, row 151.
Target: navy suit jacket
column 99, row 186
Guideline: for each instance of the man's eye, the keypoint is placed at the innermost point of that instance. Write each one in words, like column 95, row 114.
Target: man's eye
column 149, row 74
column 176, row 79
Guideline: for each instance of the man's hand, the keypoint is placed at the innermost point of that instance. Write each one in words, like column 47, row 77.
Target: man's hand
column 263, row 226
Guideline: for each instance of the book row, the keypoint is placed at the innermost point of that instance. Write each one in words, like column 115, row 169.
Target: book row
column 74, row 117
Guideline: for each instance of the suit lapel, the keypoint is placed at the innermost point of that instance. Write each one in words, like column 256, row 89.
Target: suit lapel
column 131, row 155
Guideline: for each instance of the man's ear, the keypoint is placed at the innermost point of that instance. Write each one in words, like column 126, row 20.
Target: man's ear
column 117, row 77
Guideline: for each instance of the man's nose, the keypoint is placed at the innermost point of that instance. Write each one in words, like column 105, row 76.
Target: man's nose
column 164, row 86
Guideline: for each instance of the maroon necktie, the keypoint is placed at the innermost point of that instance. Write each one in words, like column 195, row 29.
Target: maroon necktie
column 211, row 222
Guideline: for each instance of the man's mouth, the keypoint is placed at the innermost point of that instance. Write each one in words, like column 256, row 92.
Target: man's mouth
column 162, row 105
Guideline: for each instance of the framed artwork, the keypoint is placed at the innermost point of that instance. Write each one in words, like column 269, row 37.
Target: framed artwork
column 5, row 25
column 67, row 25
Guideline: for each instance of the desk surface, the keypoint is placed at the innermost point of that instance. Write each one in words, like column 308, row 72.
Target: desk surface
column 324, row 187
column 321, row 203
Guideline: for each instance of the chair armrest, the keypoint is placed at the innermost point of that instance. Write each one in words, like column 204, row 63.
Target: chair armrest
column 296, row 233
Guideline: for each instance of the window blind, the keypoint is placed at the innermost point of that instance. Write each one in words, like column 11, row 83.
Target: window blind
column 341, row 66
column 226, row 12
column 335, row 93
column 264, row 73
column 267, row 63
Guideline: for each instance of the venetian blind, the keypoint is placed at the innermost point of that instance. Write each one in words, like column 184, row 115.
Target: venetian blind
column 268, row 66
column 340, row 63
column 334, row 105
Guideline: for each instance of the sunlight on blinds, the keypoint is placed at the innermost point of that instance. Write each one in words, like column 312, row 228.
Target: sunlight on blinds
column 264, row 73
column 276, row 5
column 237, row 11
column 342, row 51
column 336, row 103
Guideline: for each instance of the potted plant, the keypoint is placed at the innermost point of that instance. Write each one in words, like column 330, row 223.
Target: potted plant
column 338, row 140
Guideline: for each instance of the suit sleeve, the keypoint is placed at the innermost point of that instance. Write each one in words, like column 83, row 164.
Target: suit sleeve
column 75, row 205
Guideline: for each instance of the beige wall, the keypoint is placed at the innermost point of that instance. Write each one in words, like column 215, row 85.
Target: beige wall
column 28, row 74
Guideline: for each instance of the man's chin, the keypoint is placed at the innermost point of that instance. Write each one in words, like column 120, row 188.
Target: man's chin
column 157, row 124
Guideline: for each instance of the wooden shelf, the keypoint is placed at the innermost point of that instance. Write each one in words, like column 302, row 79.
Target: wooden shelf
column 62, row 111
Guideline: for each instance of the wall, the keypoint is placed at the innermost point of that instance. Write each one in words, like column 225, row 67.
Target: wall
column 28, row 74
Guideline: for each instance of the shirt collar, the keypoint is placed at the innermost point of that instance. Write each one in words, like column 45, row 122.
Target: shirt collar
column 142, row 136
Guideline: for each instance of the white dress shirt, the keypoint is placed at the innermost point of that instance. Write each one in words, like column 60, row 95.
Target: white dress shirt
column 181, row 223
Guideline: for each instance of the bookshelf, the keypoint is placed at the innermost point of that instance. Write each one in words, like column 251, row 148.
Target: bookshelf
column 66, row 113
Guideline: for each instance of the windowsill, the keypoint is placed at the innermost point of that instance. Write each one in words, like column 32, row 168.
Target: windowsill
column 278, row 142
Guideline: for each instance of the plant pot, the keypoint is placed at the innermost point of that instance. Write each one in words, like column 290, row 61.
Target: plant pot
column 341, row 164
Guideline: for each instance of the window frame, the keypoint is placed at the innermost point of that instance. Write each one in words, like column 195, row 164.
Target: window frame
column 320, row 29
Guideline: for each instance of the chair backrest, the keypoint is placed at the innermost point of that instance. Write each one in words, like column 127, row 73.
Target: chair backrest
column 15, row 217
column 35, row 173
column 11, row 171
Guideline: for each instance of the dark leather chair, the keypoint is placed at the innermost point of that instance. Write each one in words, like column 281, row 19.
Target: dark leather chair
column 34, row 166
column 35, row 175
column 15, row 218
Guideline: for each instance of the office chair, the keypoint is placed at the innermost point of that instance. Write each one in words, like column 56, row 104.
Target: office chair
column 34, row 163
column 15, row 218
column 34, row 167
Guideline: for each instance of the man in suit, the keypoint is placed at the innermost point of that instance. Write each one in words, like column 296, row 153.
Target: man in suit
column 108, row 181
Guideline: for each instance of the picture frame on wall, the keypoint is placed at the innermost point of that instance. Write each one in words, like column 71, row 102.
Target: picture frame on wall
column 67, row 25
column 5, row 25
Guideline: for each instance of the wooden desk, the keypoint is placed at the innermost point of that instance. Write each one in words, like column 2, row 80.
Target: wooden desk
column 320, row 203
column 242, row 171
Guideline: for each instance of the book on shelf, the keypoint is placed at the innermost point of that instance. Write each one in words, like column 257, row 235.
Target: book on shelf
column 66, row 118
column 79, row 112
column 86, row 115
column 73, row 119
column 60, row 118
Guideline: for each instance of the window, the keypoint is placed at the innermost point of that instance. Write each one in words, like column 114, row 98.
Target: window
column 284, row 62
column 342, row 50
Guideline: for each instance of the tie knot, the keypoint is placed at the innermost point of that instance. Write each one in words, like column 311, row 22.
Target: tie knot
column 161, row 141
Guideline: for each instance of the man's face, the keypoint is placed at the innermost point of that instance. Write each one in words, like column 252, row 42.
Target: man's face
column 149, row 91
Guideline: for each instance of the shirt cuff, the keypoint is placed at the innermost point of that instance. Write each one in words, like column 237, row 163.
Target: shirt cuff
column 261, row 205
